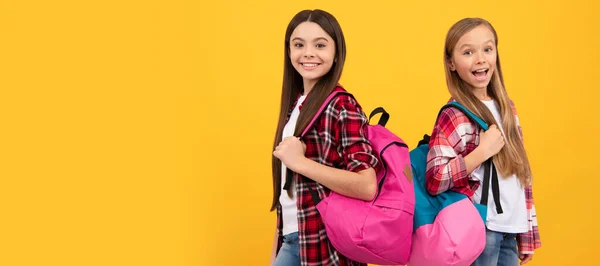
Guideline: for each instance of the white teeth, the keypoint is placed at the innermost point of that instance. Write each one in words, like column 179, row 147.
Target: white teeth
column 310, row 65
column 481, row 70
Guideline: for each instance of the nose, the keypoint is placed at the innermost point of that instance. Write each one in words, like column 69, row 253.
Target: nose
column 480, row 58
column 308, row 53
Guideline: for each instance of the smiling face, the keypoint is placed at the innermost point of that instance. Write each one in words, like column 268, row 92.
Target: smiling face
column 474, row 57
column 312, row 52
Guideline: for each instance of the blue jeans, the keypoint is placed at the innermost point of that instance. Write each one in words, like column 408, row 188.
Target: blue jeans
column 289, row 253
column 500, row 250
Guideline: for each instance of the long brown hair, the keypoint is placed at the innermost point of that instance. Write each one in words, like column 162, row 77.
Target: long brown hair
column 512, row 158
column 293, row 85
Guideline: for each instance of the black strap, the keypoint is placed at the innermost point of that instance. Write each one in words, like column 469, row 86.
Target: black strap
column 288, row 179
column 315, row 196
column 496, row 190
column 385, row 116
column 489, row 168
column 424, row 141
column 486, row 182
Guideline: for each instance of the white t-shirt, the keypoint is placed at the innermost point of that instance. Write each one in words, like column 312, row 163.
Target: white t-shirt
column 512, row 195
column 289, row 209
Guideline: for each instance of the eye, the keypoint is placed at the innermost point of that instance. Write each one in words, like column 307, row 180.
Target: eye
column 489, row 49
column 298, row 45
column 320, row 45
column 467, row 52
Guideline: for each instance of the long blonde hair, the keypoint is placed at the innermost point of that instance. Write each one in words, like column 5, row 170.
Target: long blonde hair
column 512, row 158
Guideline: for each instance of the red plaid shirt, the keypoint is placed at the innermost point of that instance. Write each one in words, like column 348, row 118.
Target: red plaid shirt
column 338, row 140
column 453, row 137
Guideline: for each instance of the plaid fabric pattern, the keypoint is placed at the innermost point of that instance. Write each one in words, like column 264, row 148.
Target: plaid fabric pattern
column 453, row 137
column 338, row 140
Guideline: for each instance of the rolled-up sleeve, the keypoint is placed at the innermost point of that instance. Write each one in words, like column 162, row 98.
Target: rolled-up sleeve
column 351, row 127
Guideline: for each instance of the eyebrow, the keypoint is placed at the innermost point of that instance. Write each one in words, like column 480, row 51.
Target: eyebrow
column 466, row 44
column 316, row 39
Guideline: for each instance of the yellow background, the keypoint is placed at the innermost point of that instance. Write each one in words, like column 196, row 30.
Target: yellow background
column 140, row 132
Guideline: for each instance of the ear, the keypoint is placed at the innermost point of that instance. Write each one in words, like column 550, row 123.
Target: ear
column 450, row 64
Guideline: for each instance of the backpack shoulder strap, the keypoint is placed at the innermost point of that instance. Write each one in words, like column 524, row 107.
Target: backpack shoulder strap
column 327, row 101
column 475, row 119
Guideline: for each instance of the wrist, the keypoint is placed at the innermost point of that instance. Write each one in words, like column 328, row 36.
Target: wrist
column 299, row 164
column 481, row 154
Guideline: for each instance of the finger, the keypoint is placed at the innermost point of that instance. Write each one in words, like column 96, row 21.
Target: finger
column 526, row 258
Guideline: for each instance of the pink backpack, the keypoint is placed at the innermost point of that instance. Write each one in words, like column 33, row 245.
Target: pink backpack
column 378, row 231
